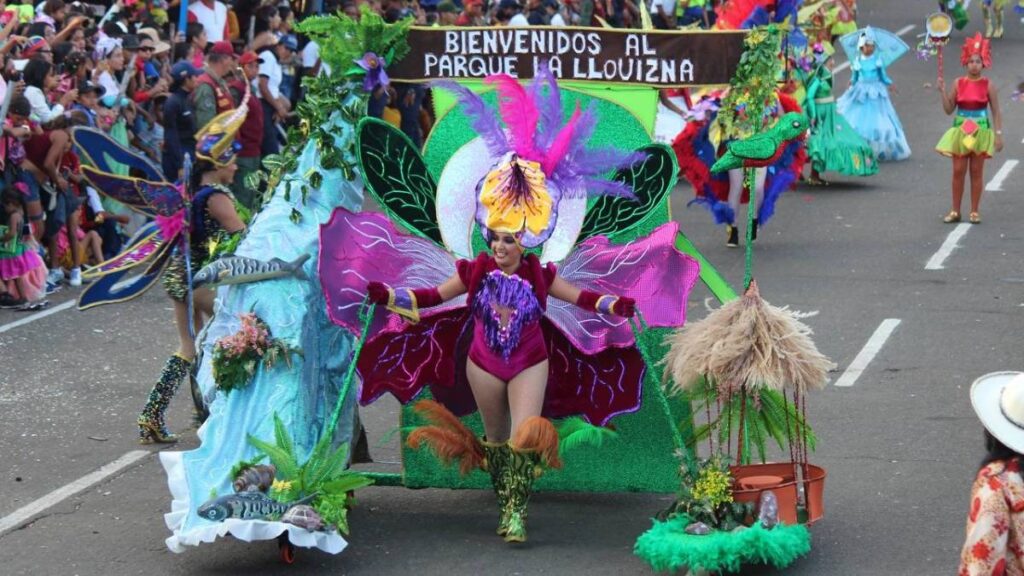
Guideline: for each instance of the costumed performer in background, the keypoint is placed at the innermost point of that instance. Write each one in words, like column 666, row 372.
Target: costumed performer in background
column 866, row 104
column 213, row 216
column 704, row 140
column 507, row 349
column 992, row 12
column 833, row 146
column 177, row 243
column 974, row 136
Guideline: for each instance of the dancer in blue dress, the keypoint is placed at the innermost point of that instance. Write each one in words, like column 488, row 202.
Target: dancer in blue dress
column 866, row 103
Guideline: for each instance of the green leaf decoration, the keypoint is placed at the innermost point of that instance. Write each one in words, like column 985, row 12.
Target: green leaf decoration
column 333, row 509
column 324, row 475
column 752, row 87
column 652, row 181
column 765, row 419
column 347, row 483
column 343, row 40
column 282, row 438
column 281, row 458
column 397, row 177
column 575, row 431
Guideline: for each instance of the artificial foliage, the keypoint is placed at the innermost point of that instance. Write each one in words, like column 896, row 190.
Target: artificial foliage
column 343, row 41
column 705, row 495
column 225, row 243
column 752, row 87
column 237, row 357
column 575, row 432
column 766, row 416
column 666, row 547
column 324, row 475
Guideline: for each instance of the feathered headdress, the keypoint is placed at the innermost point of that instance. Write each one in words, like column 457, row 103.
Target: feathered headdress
column 976, row 44
column 541, row 159
column 215, row 142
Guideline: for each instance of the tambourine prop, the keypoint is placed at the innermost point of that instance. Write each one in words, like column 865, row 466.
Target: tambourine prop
column 938, row 27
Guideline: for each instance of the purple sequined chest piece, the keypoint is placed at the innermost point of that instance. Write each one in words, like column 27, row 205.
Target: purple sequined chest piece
column 500, row 294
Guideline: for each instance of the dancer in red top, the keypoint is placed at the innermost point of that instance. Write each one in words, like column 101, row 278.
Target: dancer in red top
column 974, row 136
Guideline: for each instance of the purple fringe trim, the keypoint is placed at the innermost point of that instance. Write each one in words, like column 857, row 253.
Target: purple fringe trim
column 513, row 293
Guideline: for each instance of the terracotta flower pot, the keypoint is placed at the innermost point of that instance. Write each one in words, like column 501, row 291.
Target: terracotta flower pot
column 753, row 479
column 814, row 492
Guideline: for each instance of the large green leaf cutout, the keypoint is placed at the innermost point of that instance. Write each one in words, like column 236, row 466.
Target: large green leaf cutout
column 651, row 180
column 396, row 175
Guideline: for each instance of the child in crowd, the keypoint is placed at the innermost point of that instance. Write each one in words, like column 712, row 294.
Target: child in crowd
column 21, row 269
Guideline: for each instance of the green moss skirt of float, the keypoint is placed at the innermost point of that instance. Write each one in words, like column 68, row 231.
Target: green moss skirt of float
column 957, row 142
column 666, row 547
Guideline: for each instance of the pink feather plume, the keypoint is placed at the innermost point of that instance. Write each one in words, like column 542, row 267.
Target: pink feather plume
column 519, row 112
column 560, row 145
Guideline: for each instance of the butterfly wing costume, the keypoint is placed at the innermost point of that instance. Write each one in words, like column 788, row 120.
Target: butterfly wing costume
column 532, row 176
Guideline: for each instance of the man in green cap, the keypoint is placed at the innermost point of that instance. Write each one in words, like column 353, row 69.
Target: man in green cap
column 447, row 12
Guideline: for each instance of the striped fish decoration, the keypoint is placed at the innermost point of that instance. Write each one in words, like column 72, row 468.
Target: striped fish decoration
column 242, row 270
column 246, row 506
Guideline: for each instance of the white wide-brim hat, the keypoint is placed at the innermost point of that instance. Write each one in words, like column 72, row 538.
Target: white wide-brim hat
column 998, row 399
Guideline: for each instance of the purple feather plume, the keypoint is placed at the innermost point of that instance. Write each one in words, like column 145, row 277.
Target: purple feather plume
column 582, row 173
column 483, row 119
column 549, row 104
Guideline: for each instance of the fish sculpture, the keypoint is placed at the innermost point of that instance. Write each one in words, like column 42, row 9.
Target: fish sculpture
column 242, row 270
column 246, row 506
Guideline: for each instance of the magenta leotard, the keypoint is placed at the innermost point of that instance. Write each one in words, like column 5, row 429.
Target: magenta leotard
column 506, row 350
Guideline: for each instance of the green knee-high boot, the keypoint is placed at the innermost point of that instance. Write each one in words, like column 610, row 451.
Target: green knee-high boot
column 496, row 461
column 533, row 446
column 151, row 420
column 998, row 33
column 986, row 15
column 522, row 469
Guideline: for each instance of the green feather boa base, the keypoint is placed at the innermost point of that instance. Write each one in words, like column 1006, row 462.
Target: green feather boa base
column 667, row 547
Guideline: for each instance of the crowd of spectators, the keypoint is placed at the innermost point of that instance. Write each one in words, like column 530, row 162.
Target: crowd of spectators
column 125, row 69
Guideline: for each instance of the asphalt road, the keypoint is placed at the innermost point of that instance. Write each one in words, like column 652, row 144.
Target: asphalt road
column 901, row 445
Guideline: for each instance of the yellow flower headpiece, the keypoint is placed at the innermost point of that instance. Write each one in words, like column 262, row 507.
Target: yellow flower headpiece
column 514, row 198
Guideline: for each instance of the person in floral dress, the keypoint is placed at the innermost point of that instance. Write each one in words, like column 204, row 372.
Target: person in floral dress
column 994, row 543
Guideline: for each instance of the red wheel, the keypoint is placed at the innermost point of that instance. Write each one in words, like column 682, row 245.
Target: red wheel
column 286, row 549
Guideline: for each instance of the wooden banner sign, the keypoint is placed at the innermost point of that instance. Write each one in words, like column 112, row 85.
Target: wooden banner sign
column 652, row 58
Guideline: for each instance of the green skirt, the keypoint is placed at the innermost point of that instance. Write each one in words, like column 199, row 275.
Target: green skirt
column 834, row 146
column 956, row 143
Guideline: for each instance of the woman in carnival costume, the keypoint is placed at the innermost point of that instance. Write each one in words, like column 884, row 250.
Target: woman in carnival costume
column 825, row 20
column 975, row 136
column 507, row 348
column 866, row 104
column 705, row 139
column 992, row 13
column 833, row 145
column 177, row 243
column 957, row 9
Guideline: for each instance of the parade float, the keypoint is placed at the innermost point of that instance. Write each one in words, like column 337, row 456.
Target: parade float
column 274, row 459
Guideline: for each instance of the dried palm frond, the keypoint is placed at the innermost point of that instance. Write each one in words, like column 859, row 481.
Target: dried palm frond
column 746, row 342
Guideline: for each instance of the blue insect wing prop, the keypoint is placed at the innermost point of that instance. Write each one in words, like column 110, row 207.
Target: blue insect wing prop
column 103, row 152
column 184, row 244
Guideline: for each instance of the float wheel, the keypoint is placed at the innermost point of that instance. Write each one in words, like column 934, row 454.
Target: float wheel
column 285, row 549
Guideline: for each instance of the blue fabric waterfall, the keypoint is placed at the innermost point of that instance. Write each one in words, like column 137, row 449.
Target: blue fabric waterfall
column 304, row 395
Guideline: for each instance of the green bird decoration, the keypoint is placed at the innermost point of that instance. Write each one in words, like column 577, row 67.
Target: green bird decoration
column 763, row 149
